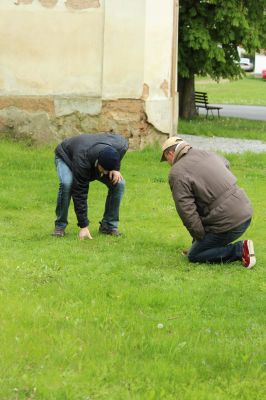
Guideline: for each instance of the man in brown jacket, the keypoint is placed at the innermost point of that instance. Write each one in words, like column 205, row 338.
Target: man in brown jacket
column 212, row 207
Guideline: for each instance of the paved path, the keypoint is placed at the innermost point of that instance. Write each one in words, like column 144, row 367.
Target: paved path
column 247, row 112
column 224, row 144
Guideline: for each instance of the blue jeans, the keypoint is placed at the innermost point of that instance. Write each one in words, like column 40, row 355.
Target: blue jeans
column 218, row 247
column 112, row 204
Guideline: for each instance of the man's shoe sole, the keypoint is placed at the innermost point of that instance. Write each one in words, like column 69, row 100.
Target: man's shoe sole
column 251, row 253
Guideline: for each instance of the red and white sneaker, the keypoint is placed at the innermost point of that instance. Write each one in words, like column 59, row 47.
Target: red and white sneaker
column 248, row 254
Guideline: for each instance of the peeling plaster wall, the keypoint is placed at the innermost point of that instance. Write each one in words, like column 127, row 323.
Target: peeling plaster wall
column 50, row 50
column 69, row 66
column 123, row 49
column 157, row 65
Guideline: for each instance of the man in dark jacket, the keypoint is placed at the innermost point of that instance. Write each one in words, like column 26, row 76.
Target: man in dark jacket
column 79, row 161
column 212, row 207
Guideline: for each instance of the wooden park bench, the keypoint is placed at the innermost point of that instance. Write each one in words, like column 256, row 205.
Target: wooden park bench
column 201, row 101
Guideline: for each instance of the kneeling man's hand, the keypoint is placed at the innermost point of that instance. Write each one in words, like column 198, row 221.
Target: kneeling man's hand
column 84, row 233
column 115, row 177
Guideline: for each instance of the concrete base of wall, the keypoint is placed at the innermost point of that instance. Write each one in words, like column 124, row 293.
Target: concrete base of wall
column 45, row 119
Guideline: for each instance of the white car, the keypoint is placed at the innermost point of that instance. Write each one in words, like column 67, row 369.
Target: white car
column 246, row 64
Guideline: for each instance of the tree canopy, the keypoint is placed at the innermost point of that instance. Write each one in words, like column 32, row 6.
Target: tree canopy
column 210, row 32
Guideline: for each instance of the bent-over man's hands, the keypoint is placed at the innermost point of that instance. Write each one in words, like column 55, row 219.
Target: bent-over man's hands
column 84, row 233
column 115, row 177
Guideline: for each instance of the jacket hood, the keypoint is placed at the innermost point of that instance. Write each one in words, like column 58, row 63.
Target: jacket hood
column 181, row 149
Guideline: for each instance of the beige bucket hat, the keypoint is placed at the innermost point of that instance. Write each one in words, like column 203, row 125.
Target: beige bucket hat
column 168, row 143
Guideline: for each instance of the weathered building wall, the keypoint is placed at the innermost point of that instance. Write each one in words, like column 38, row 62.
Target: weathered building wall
column 260, row 63
column 71, row 66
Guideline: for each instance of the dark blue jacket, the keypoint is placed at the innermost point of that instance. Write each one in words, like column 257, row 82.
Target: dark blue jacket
column 80, row 153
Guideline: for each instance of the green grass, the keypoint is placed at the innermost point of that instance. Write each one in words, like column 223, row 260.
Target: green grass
column 247, row 91
column 79, row 320
column 225, row 127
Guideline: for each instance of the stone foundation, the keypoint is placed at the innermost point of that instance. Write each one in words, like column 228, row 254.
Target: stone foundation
column 45, row 119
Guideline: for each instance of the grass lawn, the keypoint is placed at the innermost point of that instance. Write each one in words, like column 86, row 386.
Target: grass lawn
column 250, row 90
column 225, row 127
column 81, row 320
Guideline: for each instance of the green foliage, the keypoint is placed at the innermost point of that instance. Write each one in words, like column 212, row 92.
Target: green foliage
column 79, row 320
column 211, row 30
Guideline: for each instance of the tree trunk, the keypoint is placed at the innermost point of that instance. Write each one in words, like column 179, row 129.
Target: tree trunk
column 186, row 89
